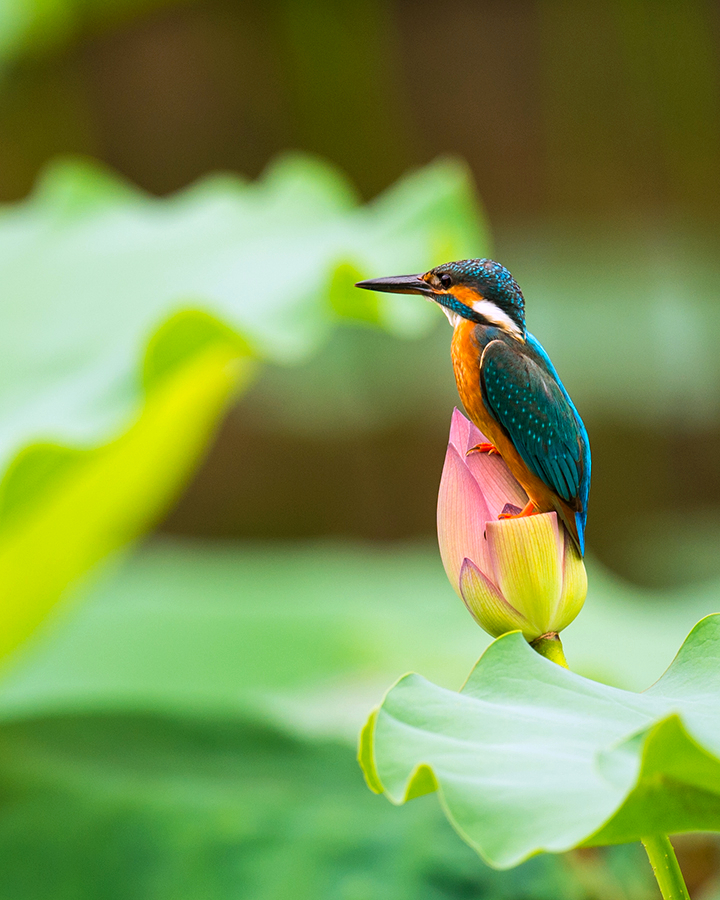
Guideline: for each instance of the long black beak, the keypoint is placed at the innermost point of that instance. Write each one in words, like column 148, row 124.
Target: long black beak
column 398, row 284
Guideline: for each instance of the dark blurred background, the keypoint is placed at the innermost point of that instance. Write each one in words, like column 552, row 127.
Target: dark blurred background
column 607, row 110
column 593, row 132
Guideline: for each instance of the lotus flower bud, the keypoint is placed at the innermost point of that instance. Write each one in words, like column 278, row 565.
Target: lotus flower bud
column 512, row 574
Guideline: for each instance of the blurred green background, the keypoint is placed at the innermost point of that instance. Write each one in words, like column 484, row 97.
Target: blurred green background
column 183, row 360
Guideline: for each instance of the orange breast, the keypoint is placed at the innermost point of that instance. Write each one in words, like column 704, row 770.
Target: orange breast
column 466, row 357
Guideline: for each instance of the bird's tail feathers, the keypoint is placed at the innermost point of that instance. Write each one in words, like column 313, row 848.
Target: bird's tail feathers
column 579, row 535
column 575, row 524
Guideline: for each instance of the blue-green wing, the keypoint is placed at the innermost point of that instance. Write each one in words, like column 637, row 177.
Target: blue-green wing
column 535, row 411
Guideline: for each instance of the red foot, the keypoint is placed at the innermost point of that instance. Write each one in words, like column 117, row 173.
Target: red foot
column 483, row 448
column 529, row 510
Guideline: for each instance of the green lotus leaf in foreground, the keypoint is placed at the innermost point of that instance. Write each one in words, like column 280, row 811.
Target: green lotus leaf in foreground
column 531, row 757
column 128, row 324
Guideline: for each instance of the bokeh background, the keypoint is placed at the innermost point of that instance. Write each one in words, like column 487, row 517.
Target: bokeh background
column 184, row 725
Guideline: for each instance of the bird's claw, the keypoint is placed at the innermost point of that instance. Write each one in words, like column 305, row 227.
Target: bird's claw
column 509, row 511
column 484, row 447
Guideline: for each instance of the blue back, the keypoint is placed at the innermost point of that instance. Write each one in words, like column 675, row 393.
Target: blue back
column 584, row 493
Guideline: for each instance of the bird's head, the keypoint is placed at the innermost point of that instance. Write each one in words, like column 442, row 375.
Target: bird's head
column 480, row 290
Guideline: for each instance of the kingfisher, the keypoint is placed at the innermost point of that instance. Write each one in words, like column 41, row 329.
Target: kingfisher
column 509, row 386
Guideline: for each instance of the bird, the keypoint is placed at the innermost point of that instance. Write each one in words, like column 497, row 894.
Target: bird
column 508, row 386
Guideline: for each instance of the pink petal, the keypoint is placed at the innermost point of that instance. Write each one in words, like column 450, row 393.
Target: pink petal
column 463, row 434
column 459, row 429
column 461, row 517
column 496, row 482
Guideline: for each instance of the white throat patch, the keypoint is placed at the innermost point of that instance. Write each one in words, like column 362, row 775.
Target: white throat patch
column 488, row 310
column 453, row 317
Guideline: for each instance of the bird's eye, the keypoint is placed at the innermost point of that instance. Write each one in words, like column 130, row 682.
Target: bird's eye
column 445, row 281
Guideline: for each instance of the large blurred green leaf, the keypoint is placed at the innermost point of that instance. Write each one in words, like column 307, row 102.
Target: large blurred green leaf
column 91, row 268
column 530, row 756
column 94, row 271
column 64, row 510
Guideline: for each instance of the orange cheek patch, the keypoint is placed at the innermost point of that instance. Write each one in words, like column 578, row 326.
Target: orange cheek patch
column 465, row 294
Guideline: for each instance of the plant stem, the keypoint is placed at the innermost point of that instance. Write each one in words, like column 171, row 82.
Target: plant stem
column 550, row 646
column 665, row 867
